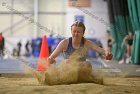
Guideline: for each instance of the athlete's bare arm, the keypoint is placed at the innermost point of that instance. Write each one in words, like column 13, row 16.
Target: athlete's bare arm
column 107, row 54
column 60, row 47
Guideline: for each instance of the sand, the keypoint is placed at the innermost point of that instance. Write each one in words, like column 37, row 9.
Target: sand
column 69, row 78
column 30, row 85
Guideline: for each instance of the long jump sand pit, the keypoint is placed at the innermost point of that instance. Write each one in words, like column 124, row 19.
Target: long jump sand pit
column 67, row 82
column 69, row 78
column 29, row 85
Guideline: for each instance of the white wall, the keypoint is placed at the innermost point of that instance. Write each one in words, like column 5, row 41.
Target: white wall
column 21, row 26
column 58, row 23
column 55, row 19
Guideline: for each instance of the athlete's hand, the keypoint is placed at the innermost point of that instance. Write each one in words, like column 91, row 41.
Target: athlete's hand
column 51, row 60
column 108, row 55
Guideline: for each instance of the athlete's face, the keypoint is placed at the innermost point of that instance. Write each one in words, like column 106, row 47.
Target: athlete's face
column 77, row 32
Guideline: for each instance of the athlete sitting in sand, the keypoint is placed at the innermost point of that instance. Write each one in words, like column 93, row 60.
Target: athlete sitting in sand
column 68, row 46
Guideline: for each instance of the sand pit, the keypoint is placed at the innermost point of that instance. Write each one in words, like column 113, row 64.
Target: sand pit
column 30, row 85
column 69, row 78
column 112, row 84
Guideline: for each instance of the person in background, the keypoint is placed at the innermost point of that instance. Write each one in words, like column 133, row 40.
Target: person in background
column 15, row 52
column 110, row 40
column 28, row 48
column 19, row 48
column 69, row 45
column 2, row 44
column 128, row 41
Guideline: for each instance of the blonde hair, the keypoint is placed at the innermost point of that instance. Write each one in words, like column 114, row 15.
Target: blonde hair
column 79, row 24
